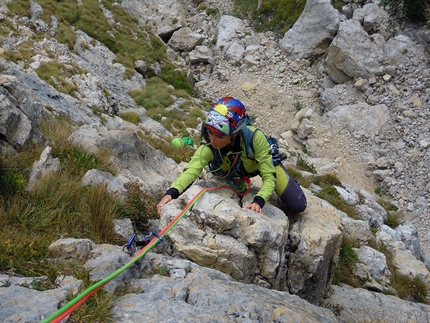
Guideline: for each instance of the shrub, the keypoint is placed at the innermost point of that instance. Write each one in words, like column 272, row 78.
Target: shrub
column 161, row 270
column 338, row 4
column 331, row 195
column 21, row 8
column 176, row 78
column 303, row 165
column 138, row 206
column 407, row 288
column 274, row 15
column 57, row 129
column 328, row 192
column 415, row 10
column 394, row 219
column 11, row 181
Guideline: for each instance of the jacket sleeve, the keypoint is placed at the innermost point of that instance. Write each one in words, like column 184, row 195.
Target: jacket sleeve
column 264, row 162
column 200, row 159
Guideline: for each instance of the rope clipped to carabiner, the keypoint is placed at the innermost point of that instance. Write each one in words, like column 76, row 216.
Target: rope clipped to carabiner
column 132, row 244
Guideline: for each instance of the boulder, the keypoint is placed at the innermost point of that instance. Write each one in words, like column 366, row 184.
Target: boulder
column 353, row 53
column 313, row 32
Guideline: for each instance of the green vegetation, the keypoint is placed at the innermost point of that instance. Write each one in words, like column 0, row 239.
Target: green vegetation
column 57, row 75
column 97, row 308
column 331, row 195
column 157, row 96
column 415, row 11
column 138, row 206
column 274, row 15
column 328, row 191
column 338, row 4
column 58, row 205
column 175, row 78
column 212, row 11
column 298, row 105
column 407, row 288
column 125, row 38
column 300, row 82
column 394, row 219
column 20, row 8
column 410, row 289
column 131, row 116
column 347, row 260
column 302, row 164
column 161, row 270
column 394, row 216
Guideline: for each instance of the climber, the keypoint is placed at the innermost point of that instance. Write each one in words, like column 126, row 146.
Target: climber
column 232, row 149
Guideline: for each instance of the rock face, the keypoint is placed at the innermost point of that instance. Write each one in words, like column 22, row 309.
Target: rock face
column 249, row 247
column 164, row 17
column 15, row 125
column 46, row 164
column 199, row 294
column 363, row 113
column 137, row 160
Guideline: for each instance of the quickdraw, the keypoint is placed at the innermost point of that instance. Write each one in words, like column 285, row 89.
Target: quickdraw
column 133, row 243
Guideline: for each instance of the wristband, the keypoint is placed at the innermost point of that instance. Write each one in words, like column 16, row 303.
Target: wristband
column 259, row 200
column 173, row 192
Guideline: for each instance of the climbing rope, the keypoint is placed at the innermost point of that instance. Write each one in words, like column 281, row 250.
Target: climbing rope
column 81, row 298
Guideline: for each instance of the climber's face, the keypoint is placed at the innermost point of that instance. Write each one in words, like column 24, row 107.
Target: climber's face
column 218, row 141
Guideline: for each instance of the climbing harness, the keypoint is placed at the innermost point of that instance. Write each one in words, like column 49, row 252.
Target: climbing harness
column 67, row 309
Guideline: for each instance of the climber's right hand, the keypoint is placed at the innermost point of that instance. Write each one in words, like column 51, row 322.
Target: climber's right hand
column 166, row 199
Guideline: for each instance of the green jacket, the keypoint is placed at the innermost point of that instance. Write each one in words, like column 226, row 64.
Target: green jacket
column 260, row 164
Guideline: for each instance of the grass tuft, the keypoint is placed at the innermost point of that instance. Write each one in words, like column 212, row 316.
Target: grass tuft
column 131, row 116
column 347, row 260
column 155, row 95
column 57, row 74
column 410, row 289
